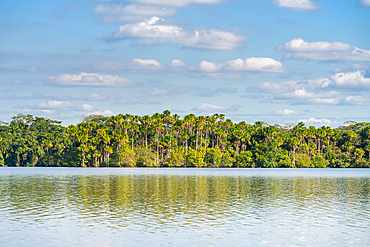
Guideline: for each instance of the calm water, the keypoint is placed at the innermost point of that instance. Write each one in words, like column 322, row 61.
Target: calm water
column 184, row 207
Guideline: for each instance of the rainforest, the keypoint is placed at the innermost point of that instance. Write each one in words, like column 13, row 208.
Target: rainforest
column 165, row 140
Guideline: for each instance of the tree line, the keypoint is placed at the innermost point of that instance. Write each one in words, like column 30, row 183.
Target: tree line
column 165, row 140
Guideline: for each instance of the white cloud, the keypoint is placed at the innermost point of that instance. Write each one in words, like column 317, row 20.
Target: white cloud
column 352, row 80
column 132, row 12
column 97, row 97
column 285, row 112
column 357, row 100
column 297, row 5
column 317, row 122
column 134, row 65
column 55, row 104
column 157, row 30
column 319, row 91
column 258, row 64
column 157, row 91
column 299, row 45
column 303, row 96
column 272, row 87
column 313, row 91
column 85, row 107
column 323, row 51
column 208, row 66
column 227, row 70
column 104, row 113
column 365, row 3
column 39, row 111
column 89, row 79
column 148, row 64
column 207, row 107
column 177, row 65
column 177, row 3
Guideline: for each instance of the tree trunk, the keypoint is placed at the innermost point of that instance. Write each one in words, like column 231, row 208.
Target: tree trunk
column 157, row 149
column 196, row 144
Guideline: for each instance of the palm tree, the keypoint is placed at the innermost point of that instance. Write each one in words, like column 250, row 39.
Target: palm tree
column 84, row 149
column 146, row 121
column 347, row 145
column 320, row 133
column 367, row 148
column 294, row 143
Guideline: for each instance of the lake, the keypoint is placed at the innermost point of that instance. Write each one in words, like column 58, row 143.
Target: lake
column 184, row 207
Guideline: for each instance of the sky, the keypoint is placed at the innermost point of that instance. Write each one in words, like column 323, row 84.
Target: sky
column 277, row 61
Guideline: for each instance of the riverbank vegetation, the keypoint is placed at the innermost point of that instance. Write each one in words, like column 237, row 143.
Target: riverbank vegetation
column 165, row 140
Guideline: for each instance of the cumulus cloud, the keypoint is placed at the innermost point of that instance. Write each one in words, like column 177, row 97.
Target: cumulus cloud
column 148, row 64
column 157, row 91
column 314, row 91
column 39, row 111
column 177, row 65
column 318, row 91
column 177, row 3
column 89, row 79
column 55, row 104
column 97, row 97
column 303, row 96
column 255, row 64
column 157, row 30
column 323, row 51
column 352, row 80
column 357, row 100
column 317, row 122
column 228, row 70
column 285, row 112
column 134, row 65
column 55, row 107
column 258, row 64
column 297, row 5
column 131, row 12
column 208, row 107
column 85, row 107
column 104, row 113
column 46, row 96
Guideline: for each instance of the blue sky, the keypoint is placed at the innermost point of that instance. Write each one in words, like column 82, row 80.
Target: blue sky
column 278, row 61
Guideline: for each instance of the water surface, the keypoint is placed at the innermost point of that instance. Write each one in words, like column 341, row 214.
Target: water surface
column 177, row 207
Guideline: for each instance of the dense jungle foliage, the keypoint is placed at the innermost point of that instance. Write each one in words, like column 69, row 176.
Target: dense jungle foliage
column 165, row 140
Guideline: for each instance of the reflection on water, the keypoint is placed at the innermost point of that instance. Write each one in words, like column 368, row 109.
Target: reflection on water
column 196, row 207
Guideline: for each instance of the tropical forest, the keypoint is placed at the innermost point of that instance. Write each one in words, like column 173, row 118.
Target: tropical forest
column 165, row 140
